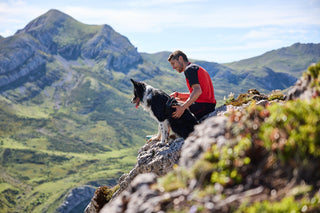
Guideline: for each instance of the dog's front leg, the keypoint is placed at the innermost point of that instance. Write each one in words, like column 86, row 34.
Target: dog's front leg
column 164, row 127
column 157, row 136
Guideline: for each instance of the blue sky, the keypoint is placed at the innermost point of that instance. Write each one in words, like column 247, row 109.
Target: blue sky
column 212, row 30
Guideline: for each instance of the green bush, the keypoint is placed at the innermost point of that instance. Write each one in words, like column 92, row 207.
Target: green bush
column 287, row 204
column 314, row 70
column 293, row 130
column 174, row 180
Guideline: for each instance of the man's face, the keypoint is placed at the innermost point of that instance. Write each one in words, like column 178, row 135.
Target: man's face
column 177, row 65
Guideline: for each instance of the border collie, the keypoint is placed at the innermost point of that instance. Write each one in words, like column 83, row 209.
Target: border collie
column 158, row 103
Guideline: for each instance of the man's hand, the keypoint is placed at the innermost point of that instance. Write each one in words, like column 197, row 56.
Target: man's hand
column 174, row 94
column 179, row 111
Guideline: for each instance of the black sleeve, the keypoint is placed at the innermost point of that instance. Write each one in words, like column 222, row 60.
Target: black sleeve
column 192, row 75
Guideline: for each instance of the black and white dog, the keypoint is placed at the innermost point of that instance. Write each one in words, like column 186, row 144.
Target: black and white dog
column 158, row 103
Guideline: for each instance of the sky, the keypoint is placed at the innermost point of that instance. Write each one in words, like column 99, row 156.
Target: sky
column 213, row 30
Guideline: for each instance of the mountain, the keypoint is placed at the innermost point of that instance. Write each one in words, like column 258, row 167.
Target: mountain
column 65, row 114
column 293, row 60
column 55, row 38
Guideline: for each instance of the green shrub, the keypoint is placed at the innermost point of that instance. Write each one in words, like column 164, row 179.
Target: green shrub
column 176, row 179
column 276, row 95
column 103, row 195
column 314, row 70
column 287, row 204
column 293, row 130
column 223, row 165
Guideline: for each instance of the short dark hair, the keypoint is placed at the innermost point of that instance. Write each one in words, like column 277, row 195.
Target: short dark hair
column 176, row 54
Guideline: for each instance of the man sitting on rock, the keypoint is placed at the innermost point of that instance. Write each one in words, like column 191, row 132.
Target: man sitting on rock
column 200, row 99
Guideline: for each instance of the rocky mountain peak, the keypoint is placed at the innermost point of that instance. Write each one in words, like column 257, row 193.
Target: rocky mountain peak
column 57, row 38
column 52, row 18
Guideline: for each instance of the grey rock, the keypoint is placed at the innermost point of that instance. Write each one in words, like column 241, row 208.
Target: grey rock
column 77, row 199
column 138, row 195
column 302, row 89
column 210, row 131
column 153, row 157
column 138, row 198
column 115, row 49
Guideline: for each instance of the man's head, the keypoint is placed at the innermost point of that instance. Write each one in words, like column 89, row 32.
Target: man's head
column 178, row 60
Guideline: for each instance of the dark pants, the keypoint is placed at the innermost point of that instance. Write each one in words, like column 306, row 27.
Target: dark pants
column 202, row 109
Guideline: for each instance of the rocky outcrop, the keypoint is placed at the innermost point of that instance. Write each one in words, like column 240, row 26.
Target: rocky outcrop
column 159, row 159
column 111, row 46
column 20, row 61
column 303, row 89
column 155, row 160
column 137, row 193
column 141, row 194
column 153, row 157
column 77, row 197
column 211, row 131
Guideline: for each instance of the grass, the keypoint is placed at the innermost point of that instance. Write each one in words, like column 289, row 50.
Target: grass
column 51, row 181
column 37, row 174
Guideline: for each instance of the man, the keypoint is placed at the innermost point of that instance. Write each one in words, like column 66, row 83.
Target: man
column 200, row 99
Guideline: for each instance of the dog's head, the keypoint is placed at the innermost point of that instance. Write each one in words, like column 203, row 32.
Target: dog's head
column 139, row 89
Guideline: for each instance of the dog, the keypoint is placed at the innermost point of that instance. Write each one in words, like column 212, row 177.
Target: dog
column 159, row 104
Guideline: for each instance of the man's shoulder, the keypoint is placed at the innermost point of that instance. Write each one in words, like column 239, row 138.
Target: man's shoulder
column 192, row 67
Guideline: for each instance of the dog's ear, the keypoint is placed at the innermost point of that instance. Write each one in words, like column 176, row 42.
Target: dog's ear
column 133, row 81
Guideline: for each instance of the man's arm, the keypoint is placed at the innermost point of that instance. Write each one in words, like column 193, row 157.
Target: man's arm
column 180, row 96
column 192, row 98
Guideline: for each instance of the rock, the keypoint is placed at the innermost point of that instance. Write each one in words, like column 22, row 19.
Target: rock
column 138, row 198
column 116, row 49
column 99, row 199
column 136, row 193
column 302, row 89
column 153, row 157
column 77, row 199
column 18, row 67
column 210, row 131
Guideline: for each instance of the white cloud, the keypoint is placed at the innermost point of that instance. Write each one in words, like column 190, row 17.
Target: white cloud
column 148, row 20
column 259, row 34
column 223, row 29
column 156, row 16
column 161, row 3
column 15, row 15
column 125, row 20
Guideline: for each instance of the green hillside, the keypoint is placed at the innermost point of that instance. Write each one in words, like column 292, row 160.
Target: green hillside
column 66, row 117
column 294, row 59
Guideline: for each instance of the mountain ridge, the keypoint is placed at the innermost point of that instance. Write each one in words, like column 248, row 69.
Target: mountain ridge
column 288, row 59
